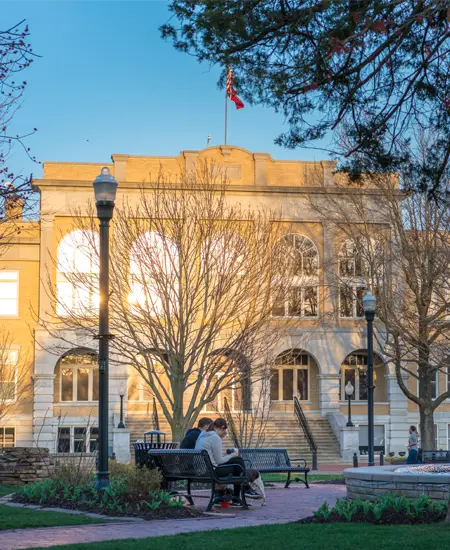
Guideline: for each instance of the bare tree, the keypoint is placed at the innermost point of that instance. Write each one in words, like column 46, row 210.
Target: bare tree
column 192, row 286
column 398, row 242
column 15, row 376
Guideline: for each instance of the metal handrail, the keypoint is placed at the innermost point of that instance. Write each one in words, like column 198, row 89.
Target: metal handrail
column 304, row 425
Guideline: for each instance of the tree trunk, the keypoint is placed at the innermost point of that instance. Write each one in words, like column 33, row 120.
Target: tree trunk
column 426, row 428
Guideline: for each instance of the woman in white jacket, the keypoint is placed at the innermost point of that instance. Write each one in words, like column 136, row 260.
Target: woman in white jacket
column 211, row 441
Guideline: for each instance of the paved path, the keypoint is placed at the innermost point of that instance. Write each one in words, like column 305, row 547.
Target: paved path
column 283, row 506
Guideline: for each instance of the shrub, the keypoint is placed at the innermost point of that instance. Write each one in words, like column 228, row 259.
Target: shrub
column 387, row 509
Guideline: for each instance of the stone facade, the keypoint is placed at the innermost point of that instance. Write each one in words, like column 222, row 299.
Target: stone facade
column 255, row 179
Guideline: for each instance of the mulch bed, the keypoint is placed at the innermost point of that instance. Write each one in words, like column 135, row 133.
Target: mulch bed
column 163, row 512
column 389, row 518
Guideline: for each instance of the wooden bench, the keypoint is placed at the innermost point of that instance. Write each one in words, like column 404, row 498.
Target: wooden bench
column 195, row 466
column 275, row 461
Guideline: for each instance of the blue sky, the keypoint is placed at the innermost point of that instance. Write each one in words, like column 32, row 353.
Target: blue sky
column 107, row 83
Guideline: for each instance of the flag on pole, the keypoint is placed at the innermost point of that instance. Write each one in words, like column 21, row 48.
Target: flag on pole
column 231, row 92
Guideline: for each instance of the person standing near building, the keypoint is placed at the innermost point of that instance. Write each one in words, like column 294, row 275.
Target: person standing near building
column 413, row 446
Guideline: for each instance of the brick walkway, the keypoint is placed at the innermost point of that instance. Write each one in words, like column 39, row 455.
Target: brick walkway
column 283, row 506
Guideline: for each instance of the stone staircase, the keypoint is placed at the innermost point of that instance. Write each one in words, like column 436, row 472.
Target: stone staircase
column 281, row 431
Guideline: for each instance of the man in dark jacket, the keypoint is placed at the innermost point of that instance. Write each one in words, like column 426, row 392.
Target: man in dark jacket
column 190, row 439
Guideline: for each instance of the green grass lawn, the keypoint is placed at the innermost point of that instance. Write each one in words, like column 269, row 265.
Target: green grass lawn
column 295, row 537
column 18, row 518
column 312, row 477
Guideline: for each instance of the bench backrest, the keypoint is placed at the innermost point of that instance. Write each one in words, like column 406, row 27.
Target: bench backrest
column 432, row 457
column 183, row 463
column 265, row 458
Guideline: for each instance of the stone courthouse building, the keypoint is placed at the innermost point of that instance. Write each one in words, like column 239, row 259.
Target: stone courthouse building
column 323, row 359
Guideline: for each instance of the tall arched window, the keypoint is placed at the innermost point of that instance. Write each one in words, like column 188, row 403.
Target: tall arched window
column 354, row 370
column 291, row 376
column 302, row 298
column 77, row 273
column 360, row 266
column 154, row 262
column 77, row 376
column 225, row 254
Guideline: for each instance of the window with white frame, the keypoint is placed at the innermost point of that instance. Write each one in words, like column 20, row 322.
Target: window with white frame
column 78, row 378
column 77, row 274
column 77, row 439
column 9, row 293
column 378, row 435
column 9, row 359
column 291, row 376
column 225, row 254
column 302, row 298
column 153, row 274
column 7, row 437
column 357, row 259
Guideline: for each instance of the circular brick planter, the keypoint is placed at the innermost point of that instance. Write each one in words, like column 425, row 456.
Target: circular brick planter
column 371, row 483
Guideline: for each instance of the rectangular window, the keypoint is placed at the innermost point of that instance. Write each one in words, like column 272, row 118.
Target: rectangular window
column 435, row 386
column 8, row 372
column 7, row 437
column 310, row 301
column 363, row 389
column 378, row 436
column 93, row 440
column 359, row 296
column 277, row 303
column 66, row 384
column 274, row 381
column 83, row 384
column 302, row 384
column 79, row 440
column 288, row 384
column 9, row 293
column 63, row 440
column 345, row 302
column 295, row 303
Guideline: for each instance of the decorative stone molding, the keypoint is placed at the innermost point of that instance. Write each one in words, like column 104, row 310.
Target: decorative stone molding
column 190, row 160
column 225, row 150
column 120, row 166
column 328, row 168
column 261, row 168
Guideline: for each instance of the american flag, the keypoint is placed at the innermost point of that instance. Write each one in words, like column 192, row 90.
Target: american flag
column 231, row 92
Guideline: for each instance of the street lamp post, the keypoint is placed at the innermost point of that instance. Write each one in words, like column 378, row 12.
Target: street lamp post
column 122, row 391
column 349, row 389
column 369, row 305
column 105, row 189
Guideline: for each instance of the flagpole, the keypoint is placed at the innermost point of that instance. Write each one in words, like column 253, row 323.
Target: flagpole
column 226, row 113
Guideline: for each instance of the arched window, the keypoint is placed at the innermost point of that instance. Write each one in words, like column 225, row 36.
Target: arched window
column 301, row 300
column 77, row 274
column 291, row 376
column 360, row 266
column 225, row 254
column 154, row 265
column 230, row 369
column 77, row 376
column 354, row 370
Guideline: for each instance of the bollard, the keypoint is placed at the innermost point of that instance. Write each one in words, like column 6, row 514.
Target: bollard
column 355, row 460
column 314, row 460
column 381, row 458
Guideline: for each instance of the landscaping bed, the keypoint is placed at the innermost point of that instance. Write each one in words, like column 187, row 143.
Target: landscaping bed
column 387, row 510
column 132, row 493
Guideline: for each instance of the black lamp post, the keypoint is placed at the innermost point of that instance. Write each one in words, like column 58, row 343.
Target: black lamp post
column 105, row 189
column 122, row 391
column 369, row 303
column 349, row 389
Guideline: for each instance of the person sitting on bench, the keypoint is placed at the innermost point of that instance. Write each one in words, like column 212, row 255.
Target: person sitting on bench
column 190, row 439
column 211, row 441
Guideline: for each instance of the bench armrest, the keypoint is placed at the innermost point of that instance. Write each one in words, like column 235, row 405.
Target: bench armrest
column 299, row 460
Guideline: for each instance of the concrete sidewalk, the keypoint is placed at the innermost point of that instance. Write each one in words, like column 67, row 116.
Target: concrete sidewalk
column 283, row 506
